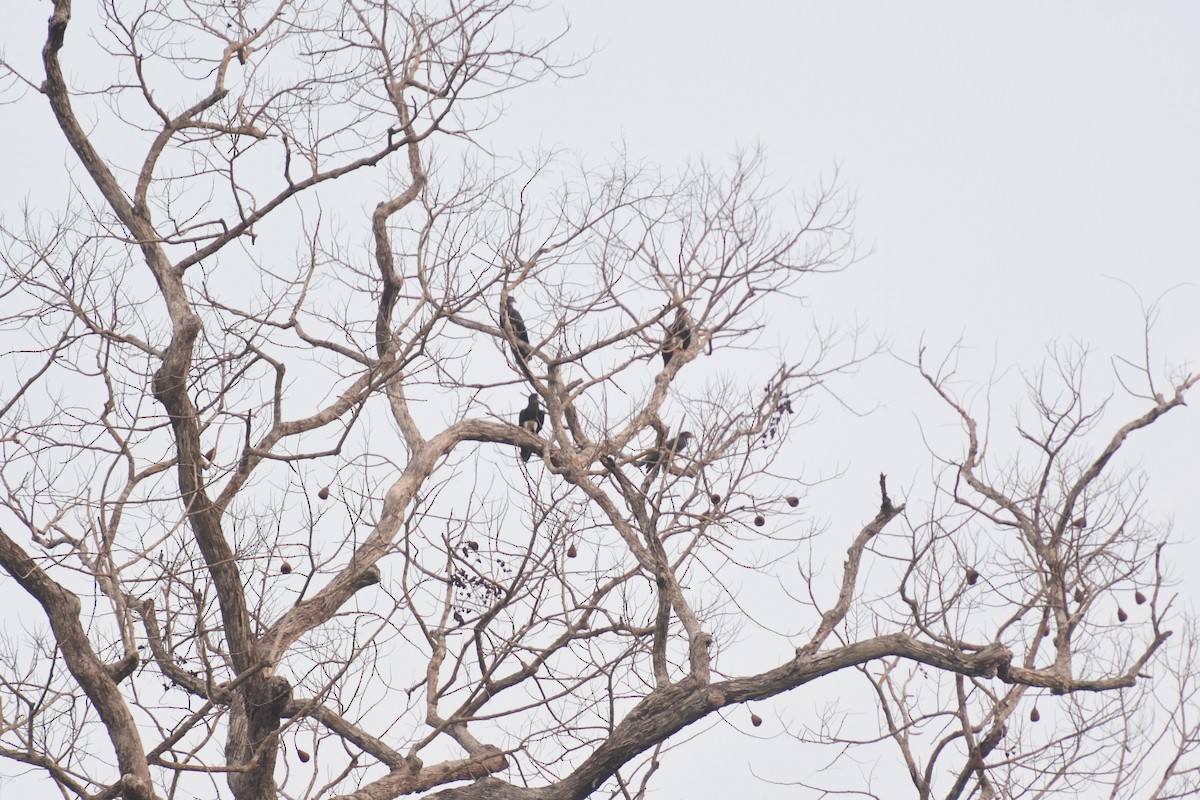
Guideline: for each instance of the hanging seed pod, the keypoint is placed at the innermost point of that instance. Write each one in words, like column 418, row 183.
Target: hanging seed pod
column 324, row 493
column 303, row 755
column 285, row 568
column 972, row 576
column 1121, row 615
column 755, row 719
column 1034, row 715
column 716, row 498
column 473, row 545
column 760, row 520
column 1079, row 523
column 793, row 501
column 572, row 552
column 1138, row 597
column 1078, row 595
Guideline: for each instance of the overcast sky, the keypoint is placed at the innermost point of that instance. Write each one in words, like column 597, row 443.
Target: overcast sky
column 1017, row 171
column 1006, row 162
column 1021, row 173
column 1020, row 170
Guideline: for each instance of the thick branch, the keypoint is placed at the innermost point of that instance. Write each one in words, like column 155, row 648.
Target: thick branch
column 97, row 681
column 668, row 710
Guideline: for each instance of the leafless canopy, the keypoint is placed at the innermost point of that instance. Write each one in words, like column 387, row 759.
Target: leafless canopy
column 263, row 517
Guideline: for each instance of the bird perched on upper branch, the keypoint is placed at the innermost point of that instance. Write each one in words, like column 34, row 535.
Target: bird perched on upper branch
column 666, row 451
column 512, row 323
column 531, row 418
column 679, row 337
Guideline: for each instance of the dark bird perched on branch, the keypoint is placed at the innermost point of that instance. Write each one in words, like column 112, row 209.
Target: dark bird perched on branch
column 531, row 418
column 512, row 323
column 885, row 506
column 666, row 451
column 679, row 337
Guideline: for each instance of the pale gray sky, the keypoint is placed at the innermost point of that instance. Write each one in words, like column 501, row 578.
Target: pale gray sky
column 1013, row 167
column 1016, row 167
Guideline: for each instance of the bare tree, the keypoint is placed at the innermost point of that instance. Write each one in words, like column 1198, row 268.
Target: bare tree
column 1052, row 552
column 260, row 457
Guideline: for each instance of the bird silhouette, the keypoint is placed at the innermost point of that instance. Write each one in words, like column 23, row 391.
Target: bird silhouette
column 513, row 324
column 531, row 418
column 666, row 451
column 679, row 337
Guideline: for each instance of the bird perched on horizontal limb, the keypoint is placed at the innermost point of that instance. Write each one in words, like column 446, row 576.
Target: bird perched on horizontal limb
column 665, row 452
column 531, row 418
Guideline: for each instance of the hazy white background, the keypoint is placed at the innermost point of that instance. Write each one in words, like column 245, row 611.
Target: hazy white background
column 1018, row 169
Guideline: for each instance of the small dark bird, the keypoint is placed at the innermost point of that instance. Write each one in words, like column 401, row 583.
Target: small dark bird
column 668, row 450
column 512, row 323
column 531, row 418
column 679, row 337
